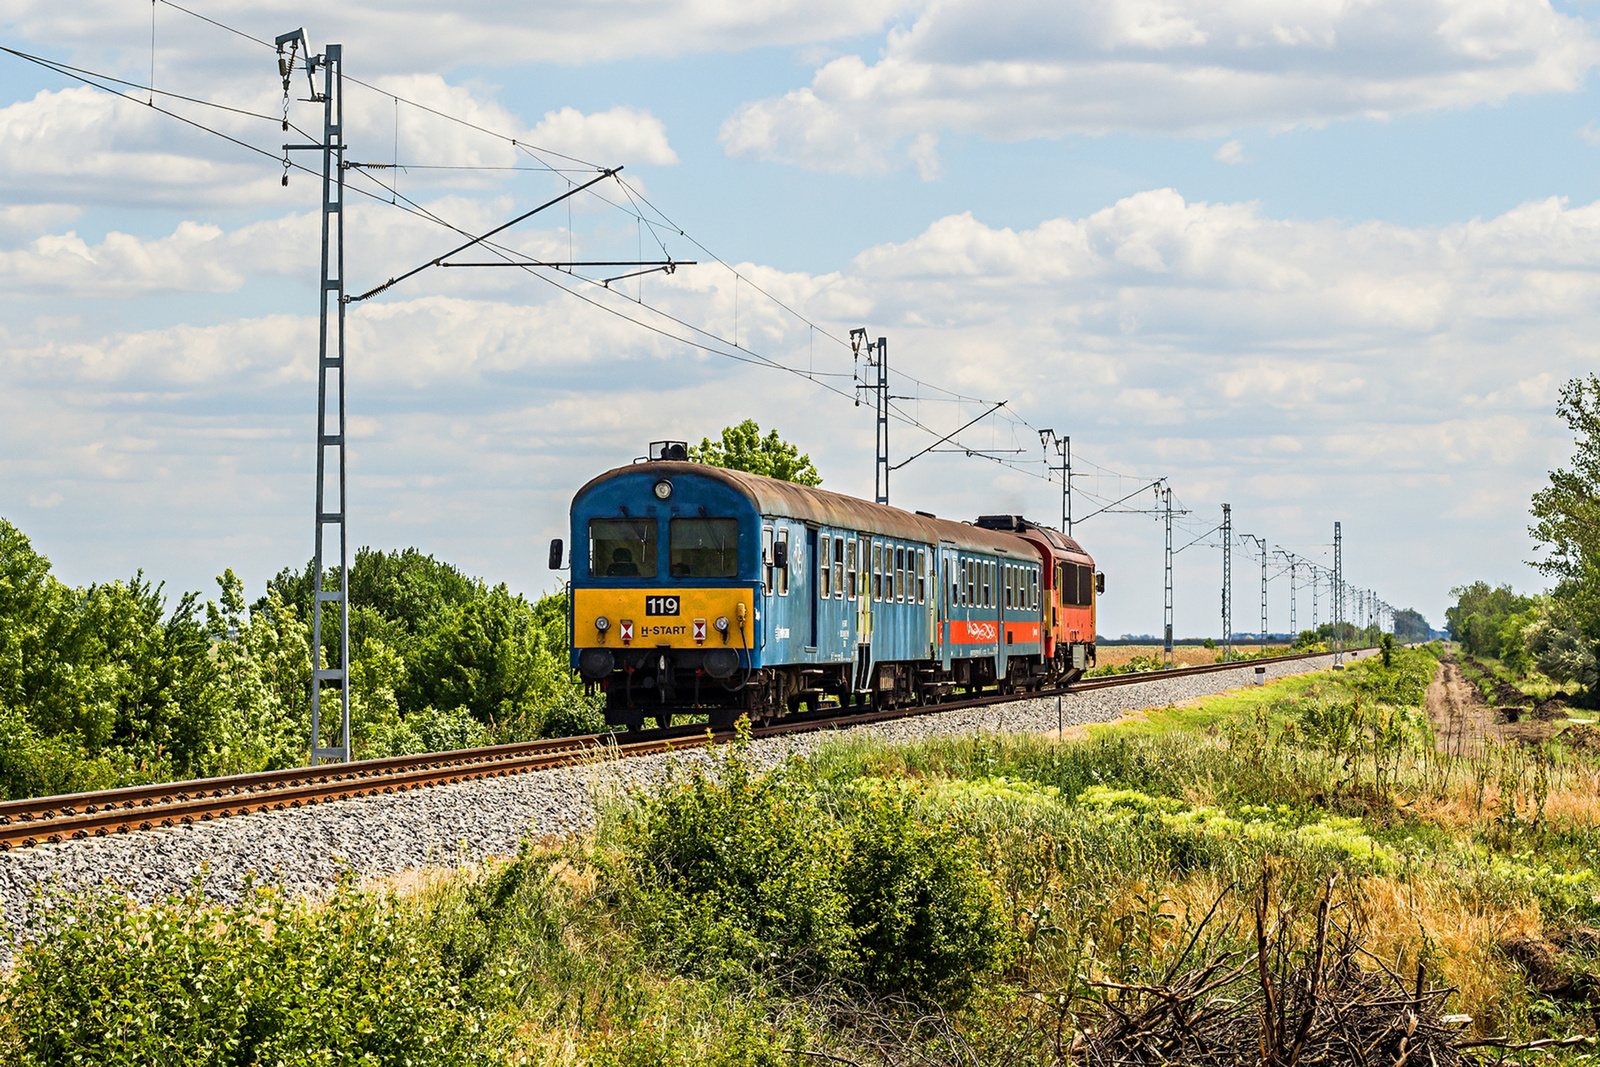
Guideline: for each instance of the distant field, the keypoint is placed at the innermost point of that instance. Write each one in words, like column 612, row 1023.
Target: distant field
column 1184, row 655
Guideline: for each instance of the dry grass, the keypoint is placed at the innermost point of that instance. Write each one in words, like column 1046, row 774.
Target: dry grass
column 1185, row 655
column 1432, row 918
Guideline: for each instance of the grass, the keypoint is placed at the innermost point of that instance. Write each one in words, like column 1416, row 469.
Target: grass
column 958, row 900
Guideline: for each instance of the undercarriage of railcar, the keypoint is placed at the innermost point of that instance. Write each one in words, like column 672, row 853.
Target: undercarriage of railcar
column 666, row 685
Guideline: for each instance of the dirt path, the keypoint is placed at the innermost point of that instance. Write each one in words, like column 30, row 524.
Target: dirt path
column 1462, row 719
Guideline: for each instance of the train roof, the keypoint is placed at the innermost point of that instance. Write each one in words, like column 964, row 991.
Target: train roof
column 772, row 496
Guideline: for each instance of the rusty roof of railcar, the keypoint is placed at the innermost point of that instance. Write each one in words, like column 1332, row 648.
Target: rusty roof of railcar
column 789, row 500
column 1059, row 541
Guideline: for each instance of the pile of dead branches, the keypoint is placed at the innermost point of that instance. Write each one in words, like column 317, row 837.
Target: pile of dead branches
column 1285, row 1003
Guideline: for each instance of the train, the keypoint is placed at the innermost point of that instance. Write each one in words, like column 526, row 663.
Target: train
column 699, row 590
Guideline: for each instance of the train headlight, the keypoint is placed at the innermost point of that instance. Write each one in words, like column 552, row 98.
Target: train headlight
column 663, row 489
column 602, row 624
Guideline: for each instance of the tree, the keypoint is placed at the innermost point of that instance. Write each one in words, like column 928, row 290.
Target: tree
column 1478, row 619
column 1567, row 511
column 742, row 448
column 1409, row 625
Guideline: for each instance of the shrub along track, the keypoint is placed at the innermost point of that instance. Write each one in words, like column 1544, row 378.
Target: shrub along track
column 81, row 816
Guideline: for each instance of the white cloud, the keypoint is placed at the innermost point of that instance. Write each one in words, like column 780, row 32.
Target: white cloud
column 1231, row 153
column 1043, row 68
column 619, row 135
column 411, row 36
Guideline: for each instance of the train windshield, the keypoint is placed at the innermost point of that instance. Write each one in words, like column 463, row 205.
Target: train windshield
column 622, row 548
column 705, row 548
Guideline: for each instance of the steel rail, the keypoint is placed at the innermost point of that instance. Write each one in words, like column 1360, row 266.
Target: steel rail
column 79, row 816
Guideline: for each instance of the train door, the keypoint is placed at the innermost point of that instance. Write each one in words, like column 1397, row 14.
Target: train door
column 1002, row 576
column 812, row 585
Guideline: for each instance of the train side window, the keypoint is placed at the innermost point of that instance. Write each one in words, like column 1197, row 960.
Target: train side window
column 838, row 568
column 783, row 572
column 922, row 576
column 862, row 556
column 1011, row 586
column 824, row 568
column 1033, row 589
column 850, row 569
column 877, row 570
column 971, row 599
column 766, row 560
column 991, row 572
column 900, row 573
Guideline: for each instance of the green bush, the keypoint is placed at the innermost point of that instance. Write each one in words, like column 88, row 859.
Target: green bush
column 734, row 869
column 732, row 872
column 923, row 914
column 350, row 980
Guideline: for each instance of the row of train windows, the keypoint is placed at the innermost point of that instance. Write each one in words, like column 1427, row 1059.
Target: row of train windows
column 893, row 573
column 982, row 583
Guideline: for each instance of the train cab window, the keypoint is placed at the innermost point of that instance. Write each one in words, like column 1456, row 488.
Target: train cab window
column 838, row 568
column 922, row 576
column 622, row 548
column 824, row 568
column 850, row 567
column 877, row 570
column 783, row 572
column 704, row 548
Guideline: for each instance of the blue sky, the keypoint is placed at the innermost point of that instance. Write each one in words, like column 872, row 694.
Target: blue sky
column 1319, row 261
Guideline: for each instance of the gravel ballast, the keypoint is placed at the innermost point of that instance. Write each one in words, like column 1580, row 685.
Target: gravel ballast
column 305, row 850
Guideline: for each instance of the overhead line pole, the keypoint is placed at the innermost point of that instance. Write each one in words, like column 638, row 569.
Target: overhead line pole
column 1166, row 648
column 877, row 354
column 1227, row 583
column 330, row 372
column 1338, row 594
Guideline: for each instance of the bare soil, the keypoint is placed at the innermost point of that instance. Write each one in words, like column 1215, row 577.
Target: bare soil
column 1463, row 720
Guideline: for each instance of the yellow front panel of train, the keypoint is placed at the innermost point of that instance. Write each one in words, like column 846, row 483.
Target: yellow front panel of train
column 653, row 617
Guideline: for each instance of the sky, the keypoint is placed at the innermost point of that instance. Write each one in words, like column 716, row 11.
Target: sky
column 1324, row 261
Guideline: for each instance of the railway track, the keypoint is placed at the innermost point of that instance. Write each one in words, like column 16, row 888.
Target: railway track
column 80, row 816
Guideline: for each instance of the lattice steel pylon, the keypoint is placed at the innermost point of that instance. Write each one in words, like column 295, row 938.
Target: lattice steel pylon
column 1261, row 545
column 330, row 440
column 1227, row 583
column 1166, row 646
column 1338, row 594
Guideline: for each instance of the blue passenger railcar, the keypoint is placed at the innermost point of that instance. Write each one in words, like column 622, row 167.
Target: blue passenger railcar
column 696, row 588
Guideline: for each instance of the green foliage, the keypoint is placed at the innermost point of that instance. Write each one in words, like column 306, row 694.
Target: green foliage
column 732, row 871
column 110, row 685
column 1479, row 616
column 1567, row 511
column 355, row 979
column 457, row 644
column 924, row 918
column 742, row 448
column 1410, row 626
column 733, row 867
column 104, row 675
